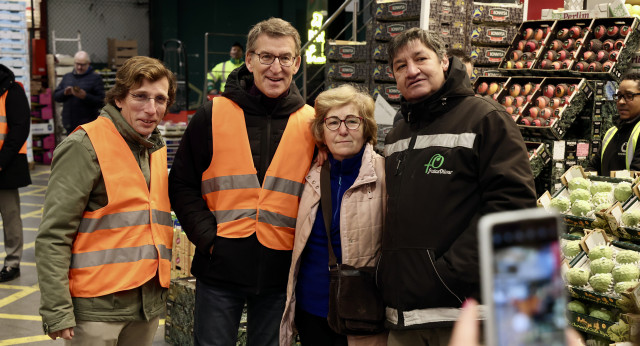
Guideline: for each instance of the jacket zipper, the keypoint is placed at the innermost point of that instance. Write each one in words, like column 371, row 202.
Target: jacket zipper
column 440, row 278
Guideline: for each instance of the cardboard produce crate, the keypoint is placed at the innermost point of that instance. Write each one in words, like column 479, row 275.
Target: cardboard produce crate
column 119, row 51
column 350, row 72
column 385, row 31
column 348, row 51
column 536, row 31
column 560, row 45
column 493, row 14
column 388, row 91
column 394, row 10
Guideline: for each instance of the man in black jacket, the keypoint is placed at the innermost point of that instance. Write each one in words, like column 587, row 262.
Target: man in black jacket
column 620, row 150
column 229, row 191
column 82, row 93
column 453, row 158
column 15, row 122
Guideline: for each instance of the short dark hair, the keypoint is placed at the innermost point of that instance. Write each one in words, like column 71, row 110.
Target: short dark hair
column 460, row 54
column 430, row 39
column 633, row 75
column 273, row 27
column 237, row 44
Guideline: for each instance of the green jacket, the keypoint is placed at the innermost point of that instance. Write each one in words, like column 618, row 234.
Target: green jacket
column 76, row 185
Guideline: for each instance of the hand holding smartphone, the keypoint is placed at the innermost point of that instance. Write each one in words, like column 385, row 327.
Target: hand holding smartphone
column 522, row 288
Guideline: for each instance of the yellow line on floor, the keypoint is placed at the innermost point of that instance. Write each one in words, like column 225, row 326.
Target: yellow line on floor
column 29, row 229
column 21, row 317
column 23, row 204
column 33, row 192
column 20, row 341
column 33, row 214
column 18, row 295
column 48, row 171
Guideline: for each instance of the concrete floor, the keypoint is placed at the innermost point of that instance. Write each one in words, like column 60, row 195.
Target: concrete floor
column 20, row 323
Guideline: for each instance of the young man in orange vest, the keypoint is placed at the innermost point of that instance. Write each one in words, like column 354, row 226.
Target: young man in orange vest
column 15, row 121
column 103, row 250
column 235, row 185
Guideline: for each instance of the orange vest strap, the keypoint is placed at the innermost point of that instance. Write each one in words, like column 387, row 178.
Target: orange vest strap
column 4, row 127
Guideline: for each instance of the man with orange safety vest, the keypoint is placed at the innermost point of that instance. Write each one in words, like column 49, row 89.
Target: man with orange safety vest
column 235, row 185
column 103, row 250
column 15, row 121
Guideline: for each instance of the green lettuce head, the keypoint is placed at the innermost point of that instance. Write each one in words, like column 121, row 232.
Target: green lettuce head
column 579, row 194
column 627, row 256
column 580, row 207
column 625, row 272
column 601, row 282
column 601, row 187
column 578, row 276
column 601, row 265
column 631, row 217
column 622, row 192
column 560, row 204
column 579, row 183
column 600, row 251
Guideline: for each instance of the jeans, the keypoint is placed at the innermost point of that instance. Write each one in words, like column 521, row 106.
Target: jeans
column 218, row 311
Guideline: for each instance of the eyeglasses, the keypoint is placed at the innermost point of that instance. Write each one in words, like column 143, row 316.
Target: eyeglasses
column 144, row 98
column 627, row 97
column 352, row 122
column 268, row 59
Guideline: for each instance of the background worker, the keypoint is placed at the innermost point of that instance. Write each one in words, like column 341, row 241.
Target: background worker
column 15, row 123
column 619, row 150
column 221, row 71
column 81, row 92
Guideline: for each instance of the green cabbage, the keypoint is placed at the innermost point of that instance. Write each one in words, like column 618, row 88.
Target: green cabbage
column 601, row 265
column 579, row 194
column 578, row 276
column 579, row 183
column 624, row 285
column 627, row 256
column 631, row 217
column 580, row 207
column 577, row 306
column 601, row 314
column 600, row 251
column 625, row 272
column 601, row 282
column 601, row 198
column 571, row 248
column 601, row 187
column 561, row 204
column 619, row 332
column 622, row 192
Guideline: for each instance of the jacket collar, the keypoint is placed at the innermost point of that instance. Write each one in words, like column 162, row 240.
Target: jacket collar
column 366, row 175
column 127, row 132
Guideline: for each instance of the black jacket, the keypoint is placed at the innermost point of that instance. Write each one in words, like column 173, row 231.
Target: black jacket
column 15, row 168
column 454, row 158
column 614, row 158
column 243, row 263
column 78, row 111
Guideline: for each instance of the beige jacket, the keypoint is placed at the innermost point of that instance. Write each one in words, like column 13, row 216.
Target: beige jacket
column 361, row 222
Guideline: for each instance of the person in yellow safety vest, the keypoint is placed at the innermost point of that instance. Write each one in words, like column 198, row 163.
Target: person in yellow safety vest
column 235, row 185
column 619, row 149
column 103, row 249
column 221, row 71
column 15, row 122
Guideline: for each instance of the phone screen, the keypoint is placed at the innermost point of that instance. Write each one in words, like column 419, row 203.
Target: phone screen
column 528, row 292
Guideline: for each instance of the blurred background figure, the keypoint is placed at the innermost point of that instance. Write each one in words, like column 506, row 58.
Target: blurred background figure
column 15, row 122
column 220, row 72
column 82, row 93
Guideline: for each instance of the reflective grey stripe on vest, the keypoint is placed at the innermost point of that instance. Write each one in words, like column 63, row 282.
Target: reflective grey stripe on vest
column 235, row 214
column 3, row 118
column 124, row 219
column 230, row 182
column 2, row 136
column 283, row 185
column 161, row 218
column 631, row 144
column 121, row 255
column 446, row 140
column 605, row 141
column 276, row 219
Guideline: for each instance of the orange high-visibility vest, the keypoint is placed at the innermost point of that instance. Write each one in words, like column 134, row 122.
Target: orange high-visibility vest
column 4, row 127
column 125, row 243
column 230, row 185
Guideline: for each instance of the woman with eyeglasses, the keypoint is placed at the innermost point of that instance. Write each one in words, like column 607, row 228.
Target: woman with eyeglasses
column 344, row 125
column 619, row 148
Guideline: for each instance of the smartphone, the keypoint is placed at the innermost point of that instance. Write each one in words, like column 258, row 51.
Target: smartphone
column 522, row 287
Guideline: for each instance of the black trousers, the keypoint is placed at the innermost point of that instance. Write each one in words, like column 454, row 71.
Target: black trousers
column 314, row 330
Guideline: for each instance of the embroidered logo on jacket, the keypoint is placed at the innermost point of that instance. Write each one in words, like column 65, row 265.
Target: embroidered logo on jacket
column 433, row 167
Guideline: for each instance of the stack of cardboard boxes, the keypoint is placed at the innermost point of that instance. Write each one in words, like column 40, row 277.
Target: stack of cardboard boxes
column 119, row 51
